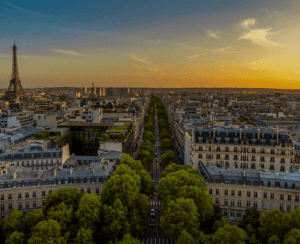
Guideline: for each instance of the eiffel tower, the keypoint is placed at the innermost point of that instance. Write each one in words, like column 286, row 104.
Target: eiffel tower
column 15, row 90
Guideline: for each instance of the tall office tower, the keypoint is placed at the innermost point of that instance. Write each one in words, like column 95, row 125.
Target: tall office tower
column 103, row 91
column 109, row 91
column 15, row 89
column 117, row 91
column 93, row 90
column 84, row 91
column 98, row 91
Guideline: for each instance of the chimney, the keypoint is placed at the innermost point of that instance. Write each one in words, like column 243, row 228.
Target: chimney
column 71, row 170
column 244, row 173
column 214, row 132
column 277, row 173
column 15, row 175
column 233, row 167
column 241, row 131
column 55, row 172
column 93, row 170
column 258, row 134
column 277, row 139
column 260, row 172
column 221, row 171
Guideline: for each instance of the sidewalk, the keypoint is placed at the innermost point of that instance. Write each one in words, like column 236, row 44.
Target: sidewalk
column 140, row 140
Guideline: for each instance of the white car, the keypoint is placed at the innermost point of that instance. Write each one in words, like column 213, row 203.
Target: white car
column 152, row 213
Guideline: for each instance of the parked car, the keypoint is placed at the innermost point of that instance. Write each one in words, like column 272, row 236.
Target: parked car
column 153, row 181
column 152, row 213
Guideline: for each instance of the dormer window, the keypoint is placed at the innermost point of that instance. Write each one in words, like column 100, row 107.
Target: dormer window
column 235, row 134
column 262, row 135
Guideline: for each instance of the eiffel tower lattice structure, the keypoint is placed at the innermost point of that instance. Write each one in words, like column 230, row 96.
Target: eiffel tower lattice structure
column 15, row 90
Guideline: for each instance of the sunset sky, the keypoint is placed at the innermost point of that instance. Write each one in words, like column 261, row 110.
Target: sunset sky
column 152, row 43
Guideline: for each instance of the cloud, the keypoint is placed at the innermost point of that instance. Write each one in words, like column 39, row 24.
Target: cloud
column 257, row 36
column 212, row 34
column 153, row 69
column 69, row 52
column 248, row 22
column 18, row 8
column 221, row 49
column 142, row 60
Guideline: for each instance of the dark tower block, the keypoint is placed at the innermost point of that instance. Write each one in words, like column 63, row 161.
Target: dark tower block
column 15, row 89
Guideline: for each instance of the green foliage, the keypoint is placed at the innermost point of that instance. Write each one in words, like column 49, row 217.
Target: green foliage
column 128, row 239
column 31, row 219
column 167, row 158
column 48, row 232
column 16, row 238
column 149, row 136
column 185, row 238
column 293, row 237
column 13, row 223
column 180, row 215
column 167, row 144
column 229, row 234
column 43, row 134
column 214, row 221
column 250, row 223
column 146, row 157
column 84, row 237
column 105, row 137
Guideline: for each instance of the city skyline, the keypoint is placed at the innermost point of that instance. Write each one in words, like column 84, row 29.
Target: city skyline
column 150, row 44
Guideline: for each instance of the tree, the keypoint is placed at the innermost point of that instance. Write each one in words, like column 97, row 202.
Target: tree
column 84, row 237
column 105, row 137
column 145, row 157
column 274, row 240
column 270, row 224
column 185, row 238
column 47, row 232
column 149, row 136
column 171, row 184
column 229, row 234
column 250, row 223
column 167, row 144
column 89, row 211
column 16, row 238
column 202, row 200
column 114, row 223
column 31, row 219
column 167, row 158
column 165, row 135
column 291, row 220
column 67, row 195
column 13, row 223
column 180, row 215
column 293, row 237
column 128, row 239
column 175, row 167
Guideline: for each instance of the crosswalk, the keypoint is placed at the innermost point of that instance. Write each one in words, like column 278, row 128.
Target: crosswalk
column 155, row 203
column 158, row 241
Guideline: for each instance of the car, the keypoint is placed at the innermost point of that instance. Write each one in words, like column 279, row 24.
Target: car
column 155, row 193
column 152, row 212
column 152, row 223
column 156, row 160
column 153, row 181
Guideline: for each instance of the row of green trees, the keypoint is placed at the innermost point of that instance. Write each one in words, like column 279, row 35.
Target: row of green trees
column 272, row 226
column 146, row 152
column 73, row 217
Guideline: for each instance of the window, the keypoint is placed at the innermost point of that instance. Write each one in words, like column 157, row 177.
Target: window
column 27, row 205
column 272, row 167
column 255, row 194
column 9, row 206
column 2, row 207
column 296, row 207
column 239, row 214
column 264, row 205
column 2, row 197
column 239, row 203
column 272, row 159
column 34, row 194
column 20, row 206
column 226, row 192
column 19, row 195
column 82, row 190
column 255, row 205
column 232, row 192
column 43, row 193
column 265, row 195
column 297, row 198
column 272, row 151
column 232, row 214
column 50, row 191
column 232, row 202
column 225, row 213
column 217, row 200
column 89, row 190
column 290, row 197
column 210, row 191
column 240, row 193
column 248, row 194
column 9, row 196
column 217, row 191
column 288, row 208
column 271, row 206
column 34, row 205
column 97, row 190
column 248, row 204
column 281, row 197
column 272, row 195
column 27, row 194
column 225, row 202
column 281, row 207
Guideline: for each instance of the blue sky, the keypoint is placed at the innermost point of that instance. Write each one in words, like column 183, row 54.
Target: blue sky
column 134, row 43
